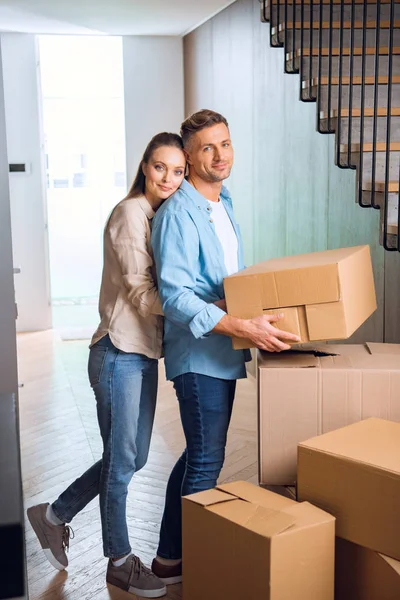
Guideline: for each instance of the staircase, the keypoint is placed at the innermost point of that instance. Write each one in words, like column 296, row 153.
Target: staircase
column 347, row 53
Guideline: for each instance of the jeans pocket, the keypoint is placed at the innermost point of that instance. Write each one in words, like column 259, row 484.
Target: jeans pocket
column 97, row 359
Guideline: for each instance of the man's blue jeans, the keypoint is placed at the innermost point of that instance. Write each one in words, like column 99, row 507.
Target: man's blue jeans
column 205, row 405
column 125, row 386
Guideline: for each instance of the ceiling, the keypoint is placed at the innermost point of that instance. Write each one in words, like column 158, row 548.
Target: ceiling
column 120, row 17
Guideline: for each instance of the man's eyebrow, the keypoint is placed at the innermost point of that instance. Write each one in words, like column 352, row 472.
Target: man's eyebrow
column 214, row 143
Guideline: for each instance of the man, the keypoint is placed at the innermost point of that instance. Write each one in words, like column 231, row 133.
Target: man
column 196, row 244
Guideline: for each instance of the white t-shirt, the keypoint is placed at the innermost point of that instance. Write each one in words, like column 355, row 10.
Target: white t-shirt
column 226, row 235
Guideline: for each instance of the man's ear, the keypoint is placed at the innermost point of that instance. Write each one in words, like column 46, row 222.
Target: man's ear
column 187, row 156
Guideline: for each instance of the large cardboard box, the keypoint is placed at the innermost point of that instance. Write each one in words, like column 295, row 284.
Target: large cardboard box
column 323, row 295
column 245, row 543
column 305, row 394
column 354, row 473
column 362, row 574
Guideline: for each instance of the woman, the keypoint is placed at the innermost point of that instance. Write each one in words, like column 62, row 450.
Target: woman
column 123, row 371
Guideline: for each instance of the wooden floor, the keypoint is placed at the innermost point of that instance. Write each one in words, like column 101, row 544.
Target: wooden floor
column 60, row 439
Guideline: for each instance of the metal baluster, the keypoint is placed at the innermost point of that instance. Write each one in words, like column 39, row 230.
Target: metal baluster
column 362, row 107
column 350, row 122
column 388, row 130
column 376, row 100
column 340, row 75
column 319, row 127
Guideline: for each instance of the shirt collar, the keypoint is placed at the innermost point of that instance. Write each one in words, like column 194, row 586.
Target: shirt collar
column 198, row 198
column 146, row 207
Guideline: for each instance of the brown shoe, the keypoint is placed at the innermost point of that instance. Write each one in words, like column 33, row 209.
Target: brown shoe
column 54, row 539
column 169, row 574
column 135, row 578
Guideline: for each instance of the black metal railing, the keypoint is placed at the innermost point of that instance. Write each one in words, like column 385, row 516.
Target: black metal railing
column 348, row 85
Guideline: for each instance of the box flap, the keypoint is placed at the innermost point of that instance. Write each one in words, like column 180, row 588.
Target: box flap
column 375, row 348
column 291, row 359
column 256, row 495
column 395, row 564
column 307, row 515
column 259, row 519
column 373, row 442
column 210, row 497
column 300, row 261
column 268, row 522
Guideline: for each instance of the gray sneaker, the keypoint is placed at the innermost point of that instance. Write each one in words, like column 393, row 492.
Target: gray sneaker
column 135, row 578
column 54, row 539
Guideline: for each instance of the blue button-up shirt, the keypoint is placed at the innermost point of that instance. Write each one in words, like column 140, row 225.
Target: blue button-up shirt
column 190, row 272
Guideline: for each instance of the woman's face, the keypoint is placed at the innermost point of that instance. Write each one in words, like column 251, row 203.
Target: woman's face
column 164, row 173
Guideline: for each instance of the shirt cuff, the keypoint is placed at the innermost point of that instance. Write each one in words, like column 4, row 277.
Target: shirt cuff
column 206, row 320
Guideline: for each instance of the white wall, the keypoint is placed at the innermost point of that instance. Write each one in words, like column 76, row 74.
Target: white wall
column 27, row 192
column 8, row 352
column 154, row 92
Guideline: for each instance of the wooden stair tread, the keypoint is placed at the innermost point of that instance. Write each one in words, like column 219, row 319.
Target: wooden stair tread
column 268, row 3
column 383, row 51
column 356, row 112
column 335, row 25
column 357, row 80
column 393, row 186
column 368, row 147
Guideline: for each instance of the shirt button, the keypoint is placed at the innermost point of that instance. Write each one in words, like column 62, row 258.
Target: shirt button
column 211, row 221
column 208, row 208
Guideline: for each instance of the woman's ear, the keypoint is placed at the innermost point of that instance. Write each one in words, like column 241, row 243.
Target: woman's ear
column 144, row 169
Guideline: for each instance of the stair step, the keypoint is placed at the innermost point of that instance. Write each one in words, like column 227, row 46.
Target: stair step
column 268, row 4
column 368, row 147
column 393, row 186
column 383, row 51
column 335, row 25
column 357, row 80
column 276, row 14
column 356, row 112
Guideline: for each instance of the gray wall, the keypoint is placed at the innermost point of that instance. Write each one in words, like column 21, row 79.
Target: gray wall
column 25, row 142
column 289, row 196
column 153, row 92
column 8, row 353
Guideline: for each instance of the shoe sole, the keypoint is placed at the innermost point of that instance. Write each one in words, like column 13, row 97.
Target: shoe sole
column 141, row 593
column 39, row 534
column 52, row 559
column 171, row 580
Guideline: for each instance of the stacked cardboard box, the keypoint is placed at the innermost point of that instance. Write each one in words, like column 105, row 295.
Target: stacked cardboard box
column 354, row 474
column 310, row 392
column 245, row 543
column 362, row 574
column 323, row 295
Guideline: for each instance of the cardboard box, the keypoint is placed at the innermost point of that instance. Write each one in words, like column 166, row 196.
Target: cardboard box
column 362, row 574
column 323, row 295
column 245, row 543
column 354, row 473
column 301, row 395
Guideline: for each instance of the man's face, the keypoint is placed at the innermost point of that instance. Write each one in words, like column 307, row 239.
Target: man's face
column 210, row 153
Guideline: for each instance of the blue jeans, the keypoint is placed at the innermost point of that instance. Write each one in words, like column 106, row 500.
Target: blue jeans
column 205, row 405
column 125, row 387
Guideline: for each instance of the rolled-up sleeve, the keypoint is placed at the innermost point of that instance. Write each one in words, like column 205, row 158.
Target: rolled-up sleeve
column 128, row 235
column 175, row 242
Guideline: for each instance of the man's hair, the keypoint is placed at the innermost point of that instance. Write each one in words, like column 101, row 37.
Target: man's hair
column 198, row 121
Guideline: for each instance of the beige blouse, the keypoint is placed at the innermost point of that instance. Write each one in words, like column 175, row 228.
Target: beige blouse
column 129, row 306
